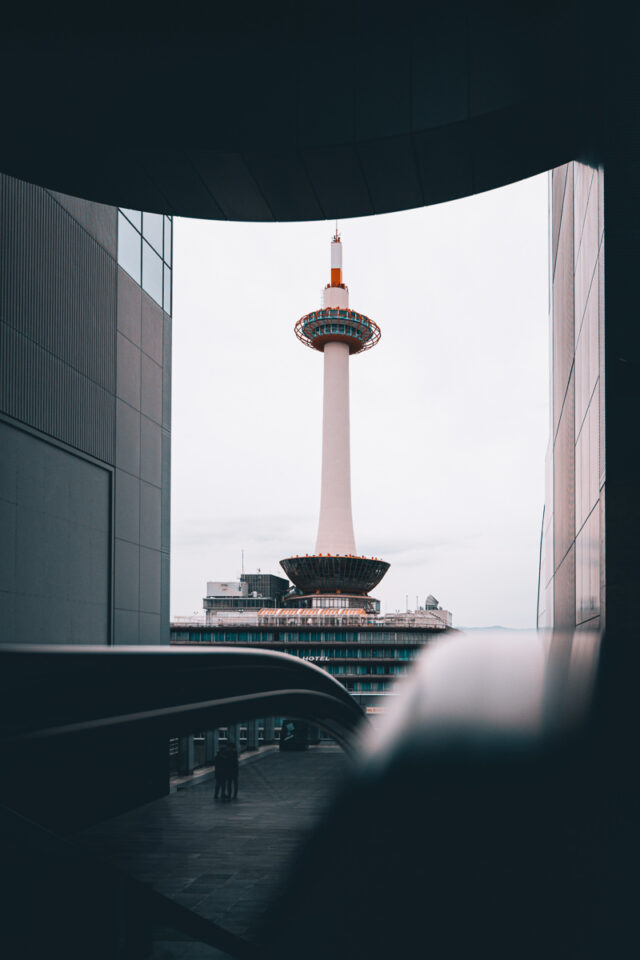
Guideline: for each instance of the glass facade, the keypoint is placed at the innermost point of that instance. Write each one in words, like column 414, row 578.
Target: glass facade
column 380, row 656
column 334, row 602
column 572, row 547
column 266, row 585
column 236, row 603
column 145, row 243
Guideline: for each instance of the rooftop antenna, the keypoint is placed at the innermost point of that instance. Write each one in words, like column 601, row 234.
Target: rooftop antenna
column 242, row 562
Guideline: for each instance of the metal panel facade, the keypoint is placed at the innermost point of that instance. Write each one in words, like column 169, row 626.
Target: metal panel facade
column 57, row 322
column 84, row 406
column 572, row 586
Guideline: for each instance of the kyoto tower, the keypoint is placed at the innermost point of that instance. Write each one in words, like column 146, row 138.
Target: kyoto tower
column 335, row 576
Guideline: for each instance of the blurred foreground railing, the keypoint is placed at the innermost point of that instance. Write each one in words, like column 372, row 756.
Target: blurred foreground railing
column 493, row 810
column 83, row 736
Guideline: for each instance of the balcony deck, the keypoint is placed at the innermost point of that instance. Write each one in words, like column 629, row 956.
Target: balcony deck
column 224, row 860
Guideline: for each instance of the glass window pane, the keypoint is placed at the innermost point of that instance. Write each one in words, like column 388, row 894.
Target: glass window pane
column 152, row 229
column 167, row 289
column 129, row 241
column 151, row 273
column 168, row 229
column 134, row 216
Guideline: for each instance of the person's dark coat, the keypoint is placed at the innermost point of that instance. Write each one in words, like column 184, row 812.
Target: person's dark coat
column 233, row 768
column 221, row 763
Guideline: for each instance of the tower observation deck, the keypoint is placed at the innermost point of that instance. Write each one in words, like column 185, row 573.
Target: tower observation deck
column 336, row 331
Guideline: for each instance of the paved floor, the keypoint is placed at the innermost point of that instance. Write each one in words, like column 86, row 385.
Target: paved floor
column 223, row 859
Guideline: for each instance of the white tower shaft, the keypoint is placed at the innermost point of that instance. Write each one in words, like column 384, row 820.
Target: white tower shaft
column 335, row 527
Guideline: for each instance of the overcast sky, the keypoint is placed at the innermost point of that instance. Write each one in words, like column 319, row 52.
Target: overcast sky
column 449, row 413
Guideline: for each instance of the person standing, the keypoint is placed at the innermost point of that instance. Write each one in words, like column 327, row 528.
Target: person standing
column 232, row 770
column 221, row 764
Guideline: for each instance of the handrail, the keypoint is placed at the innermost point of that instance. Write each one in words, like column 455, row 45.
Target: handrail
column 483, row 816
column 478, row 779
column 58, row 691
column 110, row 706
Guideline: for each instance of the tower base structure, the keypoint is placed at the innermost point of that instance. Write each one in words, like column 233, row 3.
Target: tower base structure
column 334, row 581
column 329, row 603
column 335, row 574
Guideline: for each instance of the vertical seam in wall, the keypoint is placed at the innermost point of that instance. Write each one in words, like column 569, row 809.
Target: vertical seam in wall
column 112, row 605
column 564, row 397
column 584, row 219
column 112, row 562
column 586, row 299
column 564, row 190
column 62, row 379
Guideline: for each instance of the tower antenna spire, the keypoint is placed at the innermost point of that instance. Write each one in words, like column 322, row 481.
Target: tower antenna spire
column 335, row 571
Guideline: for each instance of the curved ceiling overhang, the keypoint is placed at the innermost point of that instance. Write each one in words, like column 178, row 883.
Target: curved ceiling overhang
column 298, row 115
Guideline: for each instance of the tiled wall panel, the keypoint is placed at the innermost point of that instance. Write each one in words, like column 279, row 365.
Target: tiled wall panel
column 55, row 565
column 142, row 479
column 85, row 358
column 57, row 320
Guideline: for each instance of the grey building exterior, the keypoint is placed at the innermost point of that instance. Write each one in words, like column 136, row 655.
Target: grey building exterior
column 85, row 419
column 366, row 655
column 251, row 592
column 589, row 548
column 572, row 563
column 266, row 585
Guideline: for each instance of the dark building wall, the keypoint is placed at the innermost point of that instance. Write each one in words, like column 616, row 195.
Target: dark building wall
column 572, row 576
column 142, row 461
column 620, row 348
column 58, row 303
column 55, row 561
column 622, row 360
column 85, row 386
column 266, row 585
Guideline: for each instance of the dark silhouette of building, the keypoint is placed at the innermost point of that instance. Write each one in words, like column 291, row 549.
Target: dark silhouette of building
column 266, row 585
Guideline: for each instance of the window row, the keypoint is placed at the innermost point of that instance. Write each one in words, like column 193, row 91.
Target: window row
column 389, row 669
column 145, row 252
column 358, row 653
column 334, row 328
column 357, row 636
column 155, row 228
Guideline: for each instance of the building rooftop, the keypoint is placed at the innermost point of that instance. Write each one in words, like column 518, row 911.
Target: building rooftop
column 321, row 616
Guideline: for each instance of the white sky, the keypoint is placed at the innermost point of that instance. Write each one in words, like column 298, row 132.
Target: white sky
column 448, row 413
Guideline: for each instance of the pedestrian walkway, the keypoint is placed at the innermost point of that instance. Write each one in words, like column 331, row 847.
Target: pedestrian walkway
column 182, row 781
column 223, row 859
